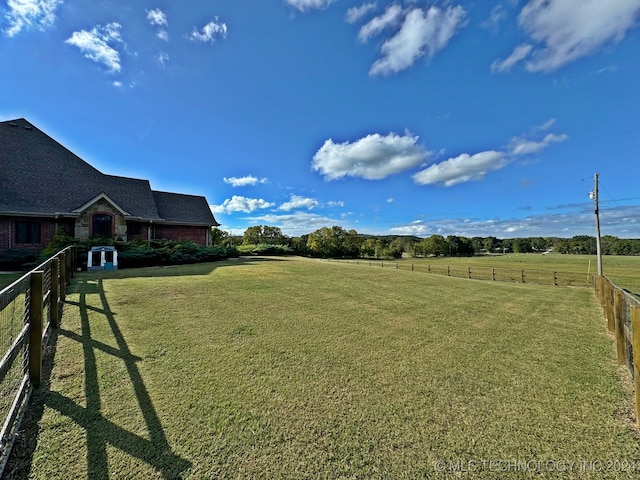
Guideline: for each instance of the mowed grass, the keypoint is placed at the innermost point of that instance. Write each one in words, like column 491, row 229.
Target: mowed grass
column 298, row 368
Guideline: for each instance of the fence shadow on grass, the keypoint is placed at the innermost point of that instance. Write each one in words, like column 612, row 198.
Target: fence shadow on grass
column 100, row 431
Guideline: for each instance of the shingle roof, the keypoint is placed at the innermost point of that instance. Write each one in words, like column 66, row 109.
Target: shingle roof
column 40, row 176
column 177, row 207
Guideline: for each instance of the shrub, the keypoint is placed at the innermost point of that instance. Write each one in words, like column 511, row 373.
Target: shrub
column 167, row 252
column 18, row 259
column 265, row 249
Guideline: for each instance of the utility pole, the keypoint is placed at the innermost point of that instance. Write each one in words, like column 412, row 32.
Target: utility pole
column 594, row 196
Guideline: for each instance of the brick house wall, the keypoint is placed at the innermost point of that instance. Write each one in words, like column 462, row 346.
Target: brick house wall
column 48, row 229
column 198, row 235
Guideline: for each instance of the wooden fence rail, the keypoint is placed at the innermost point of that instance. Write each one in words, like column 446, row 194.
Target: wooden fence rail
column 622, row 312
column 29, row 308
column 539, row 277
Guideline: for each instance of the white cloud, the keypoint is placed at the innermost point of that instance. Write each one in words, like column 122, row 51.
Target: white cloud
column 576, row 221
column 389, row 19
column 422, row 33
column 29, row 13
column 241, row 204
column 463, row 168
column 157, row 17
column 373, row 157
column 304, row 5
column 299, row 202
column 244, row 181
column 521, row 146
column 354, row 14
column 566, row 30
column 520, row 53
column 212, row 30
column 390, row 200
column 97, row 44
column 498, row 14
column 546, row 125
column 163, row 58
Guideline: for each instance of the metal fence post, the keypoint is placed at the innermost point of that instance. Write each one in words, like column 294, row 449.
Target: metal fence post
column 35, row 329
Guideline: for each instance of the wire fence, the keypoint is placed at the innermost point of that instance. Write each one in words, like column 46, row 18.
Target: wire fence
column 29, row 308
column 538, row 277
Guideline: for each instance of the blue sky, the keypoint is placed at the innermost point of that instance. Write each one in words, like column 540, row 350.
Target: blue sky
column 473, row 118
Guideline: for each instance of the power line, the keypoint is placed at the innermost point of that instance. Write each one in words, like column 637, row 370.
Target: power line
column 633, row 226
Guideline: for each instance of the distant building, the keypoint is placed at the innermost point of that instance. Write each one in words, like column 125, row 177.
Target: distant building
column 44, row 187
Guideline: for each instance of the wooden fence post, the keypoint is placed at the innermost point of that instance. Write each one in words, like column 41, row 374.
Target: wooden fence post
column 448, row 271
column 635, row 342
column 67, row 269
column 469, row 272
column 608, row 305
column 619, row 325
column 555, row 279
column 493, row 274
column 63, row 276
column 55, row 293
column 522, row 276
column 35, row 328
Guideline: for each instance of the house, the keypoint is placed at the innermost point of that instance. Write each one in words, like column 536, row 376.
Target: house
column 44, row 187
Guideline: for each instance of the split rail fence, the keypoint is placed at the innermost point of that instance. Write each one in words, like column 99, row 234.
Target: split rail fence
column 29, row 308
column 539, row 277
column 622, row 312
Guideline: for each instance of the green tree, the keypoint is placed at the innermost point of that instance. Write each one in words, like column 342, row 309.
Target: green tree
column 253, row 235
column 220, row 237
column 521, row 245
column 273, row 236
column 333, row 242
column 368, row 248
column 490, row 244
column 434, row 245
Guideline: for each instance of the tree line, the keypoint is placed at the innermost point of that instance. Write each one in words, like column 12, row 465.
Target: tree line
column 336, row 242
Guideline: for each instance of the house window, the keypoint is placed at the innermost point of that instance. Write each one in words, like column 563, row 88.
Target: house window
column 102, row 225
column 27, row 232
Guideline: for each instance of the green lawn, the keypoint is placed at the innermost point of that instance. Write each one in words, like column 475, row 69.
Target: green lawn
column 7, row 278
column 298, row 368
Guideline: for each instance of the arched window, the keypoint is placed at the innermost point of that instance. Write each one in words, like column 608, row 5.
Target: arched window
column 102, row 225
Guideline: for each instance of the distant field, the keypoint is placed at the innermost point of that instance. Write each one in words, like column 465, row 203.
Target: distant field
column 298, row 368
column 624, row 271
